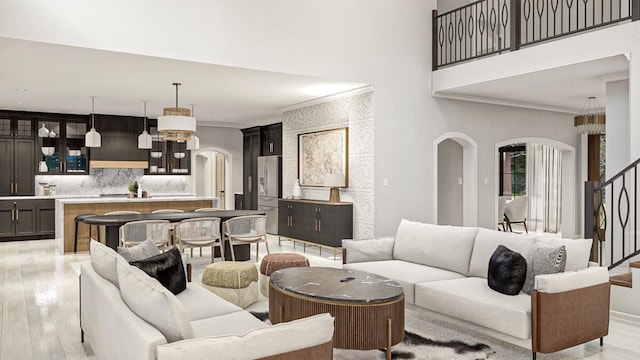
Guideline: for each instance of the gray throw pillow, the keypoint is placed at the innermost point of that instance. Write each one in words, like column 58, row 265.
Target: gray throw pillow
column 139, row 252
column 543, row 259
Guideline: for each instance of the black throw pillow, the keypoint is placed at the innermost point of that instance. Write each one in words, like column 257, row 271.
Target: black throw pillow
column 507, row 271
column 167, row 268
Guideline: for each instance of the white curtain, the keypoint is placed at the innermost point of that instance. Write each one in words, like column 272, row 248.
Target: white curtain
column 544, row 184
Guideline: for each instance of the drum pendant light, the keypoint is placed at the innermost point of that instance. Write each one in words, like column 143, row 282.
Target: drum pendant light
column 144, row 139
column 176, row 124
column 93, row 139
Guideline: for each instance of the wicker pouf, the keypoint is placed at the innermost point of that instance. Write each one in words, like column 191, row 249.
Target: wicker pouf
column 275, row 262
column 235, row 282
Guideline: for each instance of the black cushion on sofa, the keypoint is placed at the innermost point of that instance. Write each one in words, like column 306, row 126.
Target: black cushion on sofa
column 507, row 271
column 167, row 268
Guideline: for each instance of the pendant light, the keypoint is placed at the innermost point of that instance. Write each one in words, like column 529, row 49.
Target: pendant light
column 144, row 139
column 93, row 138
column 194, row 142
column 176, row 124
column 592, row 119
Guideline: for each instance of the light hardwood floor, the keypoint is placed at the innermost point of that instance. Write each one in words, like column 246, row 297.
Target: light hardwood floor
column 39, row 306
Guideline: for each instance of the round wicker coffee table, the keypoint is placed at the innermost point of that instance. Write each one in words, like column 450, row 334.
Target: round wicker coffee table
column 368, row 309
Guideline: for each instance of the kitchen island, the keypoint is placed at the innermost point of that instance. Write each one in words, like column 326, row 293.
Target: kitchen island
column 68, row 208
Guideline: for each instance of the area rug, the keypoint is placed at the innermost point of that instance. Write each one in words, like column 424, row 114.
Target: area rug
column 433, row 340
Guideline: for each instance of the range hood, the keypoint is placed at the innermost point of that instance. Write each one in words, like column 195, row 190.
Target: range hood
column 119, row 143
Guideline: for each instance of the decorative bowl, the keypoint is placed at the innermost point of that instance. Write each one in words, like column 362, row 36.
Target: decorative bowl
column 179, row 155
column 48, row 150
column 156, row 154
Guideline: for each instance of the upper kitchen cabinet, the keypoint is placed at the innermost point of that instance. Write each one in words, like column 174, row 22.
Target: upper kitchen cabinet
column 271, row 139
column 167, row 157
column 61, row 148
column 17, row 160
column 251, row 150
column 119, row 143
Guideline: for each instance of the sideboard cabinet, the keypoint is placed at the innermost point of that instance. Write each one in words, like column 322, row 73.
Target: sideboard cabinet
column 315, row 222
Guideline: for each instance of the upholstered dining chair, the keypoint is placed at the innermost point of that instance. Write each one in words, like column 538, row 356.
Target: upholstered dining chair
column 515, row 212
column 502, row 202
column 135, row 232
column 246, row 230
column 199, row 232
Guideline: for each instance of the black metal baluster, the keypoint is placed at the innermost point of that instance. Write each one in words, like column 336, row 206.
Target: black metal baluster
column 612, row 225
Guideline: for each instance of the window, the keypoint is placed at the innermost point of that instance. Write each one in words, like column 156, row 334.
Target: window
column 513, row 170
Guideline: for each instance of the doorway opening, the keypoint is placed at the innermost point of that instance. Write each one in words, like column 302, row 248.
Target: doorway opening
column 211, row 176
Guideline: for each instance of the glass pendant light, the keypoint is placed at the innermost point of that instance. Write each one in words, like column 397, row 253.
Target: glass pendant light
column 93, row 138
column 144, row 139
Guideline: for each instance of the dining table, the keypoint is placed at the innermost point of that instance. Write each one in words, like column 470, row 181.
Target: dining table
column 112, row 224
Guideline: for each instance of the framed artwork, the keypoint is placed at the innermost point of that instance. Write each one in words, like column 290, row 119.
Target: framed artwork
column 321, row 153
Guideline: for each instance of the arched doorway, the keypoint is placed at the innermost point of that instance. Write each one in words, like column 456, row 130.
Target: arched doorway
column 467, row 183
column 211, row 175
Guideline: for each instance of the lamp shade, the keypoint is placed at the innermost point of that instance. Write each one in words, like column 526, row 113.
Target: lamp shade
column 176, row 127
column 334, row 180
column 92, row 138
column 144, row 140
column 193, row 143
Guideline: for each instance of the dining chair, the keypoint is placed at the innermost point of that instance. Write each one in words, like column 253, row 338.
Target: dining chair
column 246, row 230
column 135, row 232
column 515, row 212
column 117, row 212
column 199, row 232
column 502, row 202
column 207, row 209
column 160, row 211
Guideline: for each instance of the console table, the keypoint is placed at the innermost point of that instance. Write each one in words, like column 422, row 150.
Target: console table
column 316, row 223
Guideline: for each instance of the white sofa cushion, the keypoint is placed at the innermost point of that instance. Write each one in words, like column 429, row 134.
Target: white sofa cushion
column 103, row 259
column 236, row 323
column 441, row 246
column 487, row 242
column 578, row 251
column 369, row 250
column 201, row 303
column 258, row 343
column 407, row 274
column 152, row 302
column 472, row 300
column 571, row 280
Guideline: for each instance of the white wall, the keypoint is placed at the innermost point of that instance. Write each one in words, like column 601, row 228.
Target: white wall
column 354, row 40
column 618, row 121
column 229, row 140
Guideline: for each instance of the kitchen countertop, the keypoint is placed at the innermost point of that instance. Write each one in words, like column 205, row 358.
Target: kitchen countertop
column 89, row 200
column 97, row 196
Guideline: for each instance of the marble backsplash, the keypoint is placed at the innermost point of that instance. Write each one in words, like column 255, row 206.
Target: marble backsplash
column 114, row 181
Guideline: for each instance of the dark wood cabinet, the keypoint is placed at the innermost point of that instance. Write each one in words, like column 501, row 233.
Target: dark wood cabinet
column 167, row 157
column 60, row 147
column 271, row 139
column 27, row 219
column 316, row 222
column 251, row 151
column 18, row 156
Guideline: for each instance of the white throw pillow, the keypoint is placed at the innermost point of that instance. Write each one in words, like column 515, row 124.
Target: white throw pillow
column 578, row 251
column 368, row 250
column 571, row 280
column 103, row 260
column 442, row 246
column 148, row 299
column 144, row 250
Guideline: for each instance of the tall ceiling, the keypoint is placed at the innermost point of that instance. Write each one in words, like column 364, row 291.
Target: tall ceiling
column 55, row 78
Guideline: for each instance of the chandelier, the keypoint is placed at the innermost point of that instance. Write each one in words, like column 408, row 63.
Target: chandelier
column 176, row 124
column 592, row 120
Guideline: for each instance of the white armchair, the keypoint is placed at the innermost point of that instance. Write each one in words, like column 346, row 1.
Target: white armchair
column 515, row 212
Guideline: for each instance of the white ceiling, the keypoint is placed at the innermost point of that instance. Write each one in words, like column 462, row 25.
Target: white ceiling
column 562, row 89
column 54, row 78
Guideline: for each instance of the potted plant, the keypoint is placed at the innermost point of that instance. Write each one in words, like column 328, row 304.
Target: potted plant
column 133, row 189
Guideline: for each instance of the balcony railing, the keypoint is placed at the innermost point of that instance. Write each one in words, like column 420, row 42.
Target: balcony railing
column 489, row 27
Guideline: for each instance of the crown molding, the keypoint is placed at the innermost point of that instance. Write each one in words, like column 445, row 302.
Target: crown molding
column 484, row 100
column 324, row 99
column 615, row 77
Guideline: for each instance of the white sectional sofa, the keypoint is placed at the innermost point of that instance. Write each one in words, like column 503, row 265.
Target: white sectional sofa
column 125, row 314
column 444, row 270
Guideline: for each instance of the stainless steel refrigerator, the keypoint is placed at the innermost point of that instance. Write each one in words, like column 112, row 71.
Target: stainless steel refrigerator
column 270, row 189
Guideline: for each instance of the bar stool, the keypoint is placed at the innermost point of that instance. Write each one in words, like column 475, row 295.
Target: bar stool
column 80, row 218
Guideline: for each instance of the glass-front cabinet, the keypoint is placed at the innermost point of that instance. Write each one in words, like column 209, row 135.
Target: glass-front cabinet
column 167, row 157
column 61, row 148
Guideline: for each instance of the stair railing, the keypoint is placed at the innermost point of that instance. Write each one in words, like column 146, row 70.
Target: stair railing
column 611, row 217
